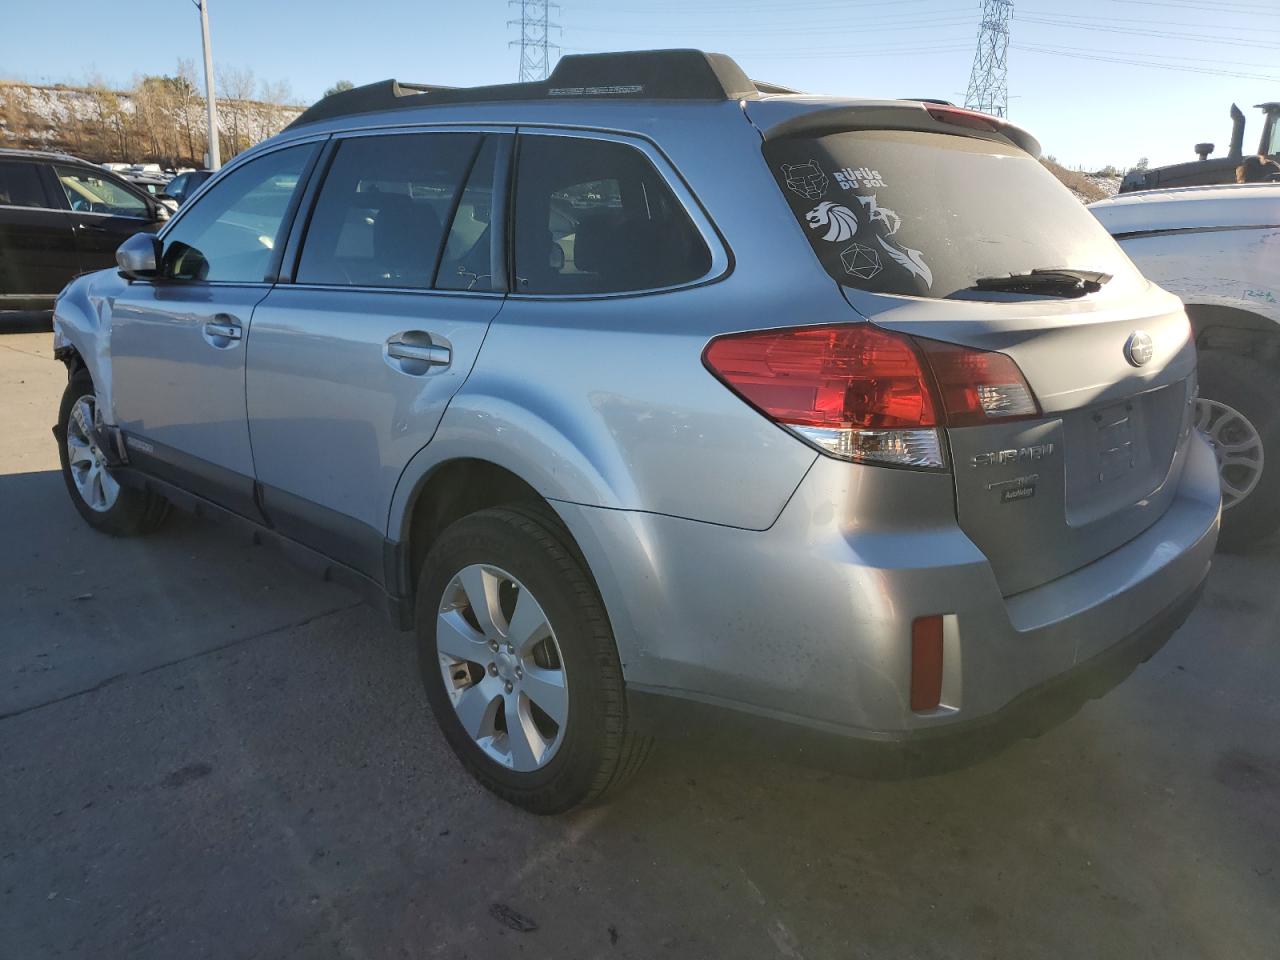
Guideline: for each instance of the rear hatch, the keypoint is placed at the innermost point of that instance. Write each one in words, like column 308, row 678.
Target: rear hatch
column 945, row 233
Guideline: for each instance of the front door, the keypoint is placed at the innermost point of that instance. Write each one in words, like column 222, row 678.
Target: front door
column 37, row 248
column 352, row 364
column 178, row 343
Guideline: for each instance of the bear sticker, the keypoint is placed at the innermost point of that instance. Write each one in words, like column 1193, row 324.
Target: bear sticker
column 805, row 179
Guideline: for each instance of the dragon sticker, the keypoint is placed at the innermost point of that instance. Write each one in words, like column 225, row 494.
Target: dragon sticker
column 806, row 179
column 912, row 260
column 840, row 221
column 879, row 214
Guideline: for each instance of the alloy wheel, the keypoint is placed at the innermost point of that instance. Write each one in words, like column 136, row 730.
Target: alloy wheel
column 1236, row 444
column 502, row 667
column 97, row 487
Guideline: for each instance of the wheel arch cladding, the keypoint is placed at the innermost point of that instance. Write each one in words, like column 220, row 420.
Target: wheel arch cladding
column 1235, row 330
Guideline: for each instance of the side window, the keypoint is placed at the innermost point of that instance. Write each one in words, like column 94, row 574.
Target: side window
column 467, row 261
column 20, row 186
column 594, row 216
column 229, row 233
column 89, row 193
column 379, row 217
column 177, row 186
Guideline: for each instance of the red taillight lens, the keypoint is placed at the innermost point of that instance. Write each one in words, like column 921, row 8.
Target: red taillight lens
column 977, row 386
column 855, row 391
column 827, row 376
column 866, row 394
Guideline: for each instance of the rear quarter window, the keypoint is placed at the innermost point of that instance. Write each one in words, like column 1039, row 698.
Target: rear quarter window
column 928, row 214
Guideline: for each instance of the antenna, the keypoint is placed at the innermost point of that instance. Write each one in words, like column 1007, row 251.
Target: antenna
column 535, row 37
column 989, row 78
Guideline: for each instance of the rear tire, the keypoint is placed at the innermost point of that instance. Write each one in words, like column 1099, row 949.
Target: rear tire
column 578, row 748
column 103, row 502
column 1238, row 410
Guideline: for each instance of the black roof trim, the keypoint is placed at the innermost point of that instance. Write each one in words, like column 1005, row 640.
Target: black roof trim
column 636, row 75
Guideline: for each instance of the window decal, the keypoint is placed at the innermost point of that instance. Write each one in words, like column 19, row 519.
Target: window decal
column 861, row 262
column 806, row 179
column 911, row 259
column 863, row 177
column 879, row 214
column 840, row 221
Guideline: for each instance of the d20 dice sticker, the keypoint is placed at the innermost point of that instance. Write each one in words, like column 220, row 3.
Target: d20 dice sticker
column 861, row 262
column 805, row 179
column 840, row 222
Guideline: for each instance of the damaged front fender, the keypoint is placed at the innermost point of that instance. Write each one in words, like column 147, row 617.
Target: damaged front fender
column 82, row 331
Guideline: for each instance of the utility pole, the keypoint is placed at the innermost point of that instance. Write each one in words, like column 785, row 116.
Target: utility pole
column 989, row 78
column 215, row 154
column 535, row 37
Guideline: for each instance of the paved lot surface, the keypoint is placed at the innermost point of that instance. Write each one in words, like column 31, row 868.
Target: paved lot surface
column 208, row 754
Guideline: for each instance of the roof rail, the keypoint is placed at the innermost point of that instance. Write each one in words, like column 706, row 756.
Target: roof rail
column 636, row 75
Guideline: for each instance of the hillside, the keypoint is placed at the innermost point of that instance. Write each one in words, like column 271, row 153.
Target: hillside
column 161, row 120
column 1087, row 187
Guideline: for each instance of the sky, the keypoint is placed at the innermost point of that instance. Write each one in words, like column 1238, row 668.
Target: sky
column 1097, row 81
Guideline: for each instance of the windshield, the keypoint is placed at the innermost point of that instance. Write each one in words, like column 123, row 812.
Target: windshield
column 928, row 214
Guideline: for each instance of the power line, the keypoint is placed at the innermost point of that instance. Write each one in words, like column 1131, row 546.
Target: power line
column 1209, row 71
column 1233, row 41
column 535, row 37
column 989, row 77
column 784, row 31
column 1239, row 9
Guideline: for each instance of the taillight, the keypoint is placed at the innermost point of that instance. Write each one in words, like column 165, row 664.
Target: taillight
column 860, row 393
column 961, row 117
column 977, row 386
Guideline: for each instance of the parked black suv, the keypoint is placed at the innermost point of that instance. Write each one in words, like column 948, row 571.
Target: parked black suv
column 59, row 217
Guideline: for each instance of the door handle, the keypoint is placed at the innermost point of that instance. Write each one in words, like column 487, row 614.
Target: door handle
column 433, row 355
column 222, row 328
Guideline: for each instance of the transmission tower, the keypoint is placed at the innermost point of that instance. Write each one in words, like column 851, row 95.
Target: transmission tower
column 989, row 78
column 535, row 37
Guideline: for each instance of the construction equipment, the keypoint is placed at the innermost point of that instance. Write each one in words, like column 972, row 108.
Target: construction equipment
column 1208, row 169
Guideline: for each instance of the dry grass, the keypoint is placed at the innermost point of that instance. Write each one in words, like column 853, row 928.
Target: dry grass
column 1078, row 183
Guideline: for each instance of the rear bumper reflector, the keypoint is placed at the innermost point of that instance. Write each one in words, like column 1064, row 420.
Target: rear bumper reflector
column 926, row 663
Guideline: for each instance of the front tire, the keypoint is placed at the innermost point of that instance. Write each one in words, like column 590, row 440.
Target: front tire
column 97, row 495
column 1238, row 412
column 520, row 665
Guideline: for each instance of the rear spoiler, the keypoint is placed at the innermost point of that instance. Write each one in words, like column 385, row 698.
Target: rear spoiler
column 900, row 115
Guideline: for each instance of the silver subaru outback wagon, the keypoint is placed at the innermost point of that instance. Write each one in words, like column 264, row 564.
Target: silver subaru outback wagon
column 654, row 398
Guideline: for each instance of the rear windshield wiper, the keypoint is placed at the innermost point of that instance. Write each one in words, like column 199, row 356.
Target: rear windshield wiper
column 1054, row 281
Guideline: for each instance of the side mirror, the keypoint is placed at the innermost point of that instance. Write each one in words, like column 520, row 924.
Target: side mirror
column 139, row 256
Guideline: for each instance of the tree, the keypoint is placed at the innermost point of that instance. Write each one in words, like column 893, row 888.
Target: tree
column 1142, row 164
column 339, row 87
column 238, row 87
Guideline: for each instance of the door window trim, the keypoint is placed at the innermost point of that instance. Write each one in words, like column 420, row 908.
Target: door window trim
column 721, row 254
column 305, row 182
column 499, row 225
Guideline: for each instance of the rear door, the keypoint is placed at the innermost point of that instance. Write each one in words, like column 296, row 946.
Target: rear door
column 105, row 212
column 37, row 247
column 908, row 222
column 399, row 270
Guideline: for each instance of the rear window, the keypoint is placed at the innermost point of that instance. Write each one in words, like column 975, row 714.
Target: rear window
column 928, row 214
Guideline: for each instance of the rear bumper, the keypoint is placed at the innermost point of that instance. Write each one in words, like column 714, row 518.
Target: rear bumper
column 912, row 753
column 807, row 625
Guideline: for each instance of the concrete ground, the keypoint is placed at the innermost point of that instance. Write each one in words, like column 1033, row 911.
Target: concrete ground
column 208, row 754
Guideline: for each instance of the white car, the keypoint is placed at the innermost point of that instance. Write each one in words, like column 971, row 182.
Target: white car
column 1218, row 248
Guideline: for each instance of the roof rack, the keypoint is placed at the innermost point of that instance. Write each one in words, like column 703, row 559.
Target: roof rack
column 637, row 75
